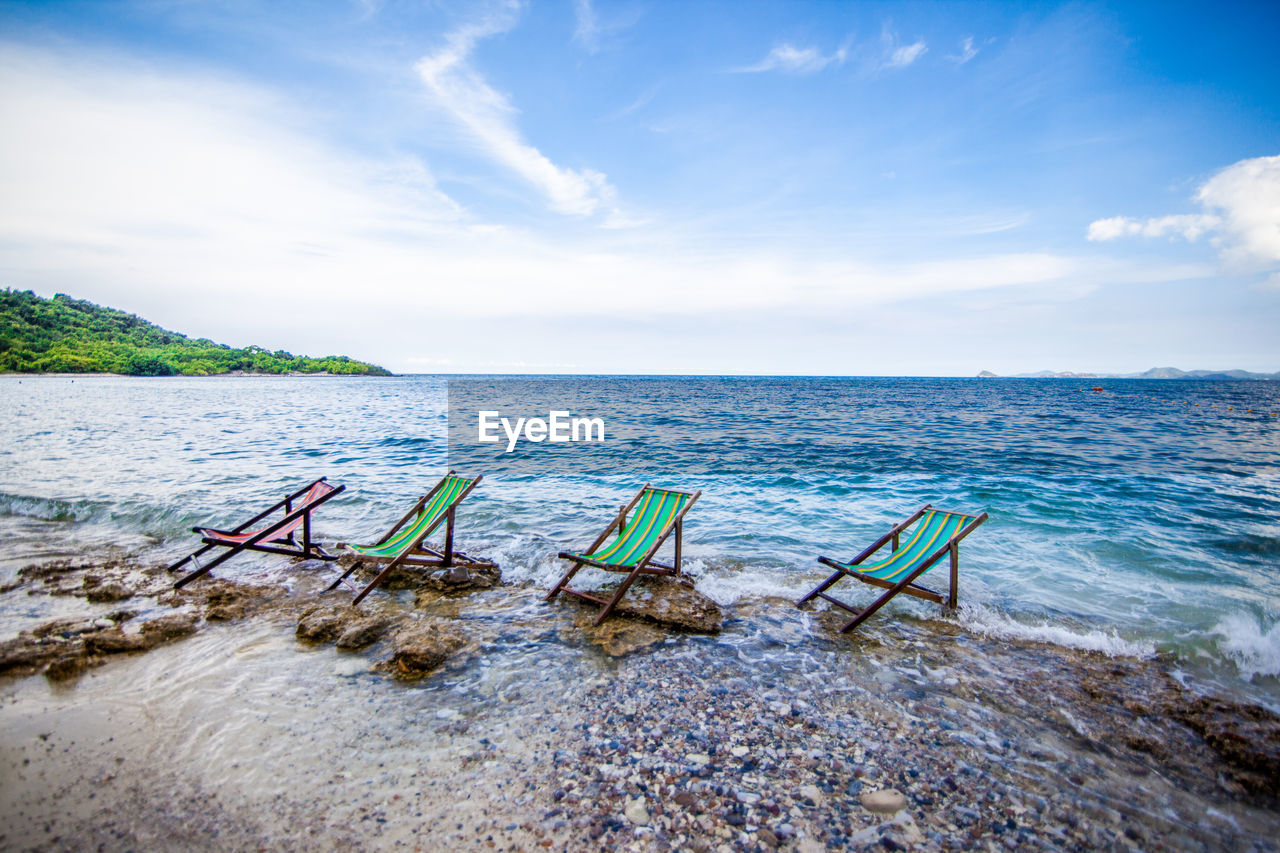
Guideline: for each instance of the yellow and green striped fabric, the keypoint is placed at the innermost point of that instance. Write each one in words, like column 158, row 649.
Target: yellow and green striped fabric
column 932, row 531
column 409, row 535
column 649, row 519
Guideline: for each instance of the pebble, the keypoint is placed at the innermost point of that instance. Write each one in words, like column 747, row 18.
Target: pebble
column 884, row 801
column 636, row 812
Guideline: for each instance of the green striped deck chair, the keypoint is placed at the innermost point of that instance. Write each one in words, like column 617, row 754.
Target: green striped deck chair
column 658, row 513
column 938, row 533
column 404, row 544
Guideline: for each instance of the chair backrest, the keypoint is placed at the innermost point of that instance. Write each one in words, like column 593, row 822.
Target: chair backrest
column 650, row 519
column 445, row 496
column 934, row 529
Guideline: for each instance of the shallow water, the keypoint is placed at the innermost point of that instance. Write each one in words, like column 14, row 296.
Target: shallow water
column 1139, row 520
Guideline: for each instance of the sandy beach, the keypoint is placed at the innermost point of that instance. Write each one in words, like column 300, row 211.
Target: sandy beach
column 228, row 731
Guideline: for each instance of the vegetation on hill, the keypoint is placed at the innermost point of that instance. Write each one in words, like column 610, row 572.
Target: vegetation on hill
column 65, row 335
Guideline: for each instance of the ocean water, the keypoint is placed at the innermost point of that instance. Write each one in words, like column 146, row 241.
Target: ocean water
column 1140, row 520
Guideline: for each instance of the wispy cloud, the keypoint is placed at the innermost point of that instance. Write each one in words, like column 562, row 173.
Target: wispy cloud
column 796, row 60
column 1242, row 215
column 587, row 32
column 895, row 53
column 489, row 117
column 592, row 30
column 967, row 51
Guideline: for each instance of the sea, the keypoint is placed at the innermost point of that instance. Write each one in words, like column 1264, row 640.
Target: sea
column 1126, row 517
column 1128, row 521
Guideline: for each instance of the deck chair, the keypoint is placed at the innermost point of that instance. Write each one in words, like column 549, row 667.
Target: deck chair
column 658, row 512
column 275, row 537
column 938, row 533
column 402, row 545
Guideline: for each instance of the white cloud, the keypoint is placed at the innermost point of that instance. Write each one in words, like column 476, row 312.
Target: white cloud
column 212, row 208
column 1247, row 197
column 797, row 60
column 967, row 51
column 906, row 54
column 587, row 32
column 488, row 116
column 1243, row 215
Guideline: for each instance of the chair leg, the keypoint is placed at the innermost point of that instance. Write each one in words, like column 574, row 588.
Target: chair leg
column 448, row 538
column 954, row 596
column 377, row 580
column 822, row 587
column 884, row 599
column 190, row 556
column 331, row 587
column 617, row 596
column 568, row 576
column 209, row 566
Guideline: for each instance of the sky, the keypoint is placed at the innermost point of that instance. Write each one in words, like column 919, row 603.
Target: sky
column 591, row 186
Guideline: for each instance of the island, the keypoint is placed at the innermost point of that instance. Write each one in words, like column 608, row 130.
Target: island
column 67, row 335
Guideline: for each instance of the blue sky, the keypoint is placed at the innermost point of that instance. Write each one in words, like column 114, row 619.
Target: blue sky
column 591, row 186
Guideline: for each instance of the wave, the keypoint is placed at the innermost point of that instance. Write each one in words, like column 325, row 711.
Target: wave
column 1254, row 651
column 52, row 509
column 991, row 623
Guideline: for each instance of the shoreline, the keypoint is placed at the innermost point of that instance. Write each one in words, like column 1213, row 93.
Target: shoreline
column 770, row 735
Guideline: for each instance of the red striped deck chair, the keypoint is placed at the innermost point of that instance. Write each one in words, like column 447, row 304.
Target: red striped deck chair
column 278, row 536
column 404, row 544
column 938, row 533
column 658, row 513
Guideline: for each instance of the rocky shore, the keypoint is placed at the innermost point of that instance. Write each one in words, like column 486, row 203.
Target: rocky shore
column 495, row 721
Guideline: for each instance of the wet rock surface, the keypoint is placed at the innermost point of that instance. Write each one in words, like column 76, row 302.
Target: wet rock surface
column 671, row 602
column 420, row 649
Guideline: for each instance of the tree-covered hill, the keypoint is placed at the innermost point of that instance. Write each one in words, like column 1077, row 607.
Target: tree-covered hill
column 65, row 335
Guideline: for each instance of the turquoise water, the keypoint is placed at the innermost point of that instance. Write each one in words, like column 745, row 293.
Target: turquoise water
column 1144, row 519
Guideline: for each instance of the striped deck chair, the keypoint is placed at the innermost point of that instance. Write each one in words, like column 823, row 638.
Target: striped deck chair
column 658, row 512
column 277, row 537
column 938, row 533
column 403, row 544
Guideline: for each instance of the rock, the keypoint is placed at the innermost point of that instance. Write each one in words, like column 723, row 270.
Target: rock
column 362, row 632
column 767, row 838
column 226, row 600
column 884, row 801
column 812, row 793
column 104, row 592
column 420, row 650
column 67, row 666
column 167, row 628
column 671, row 602
column 618, row 637
column 1246, row 736
column 685, row 799
column 326, row 623
column 739, row 751
column 636, row 812
column 115, row 641
column 457, row 580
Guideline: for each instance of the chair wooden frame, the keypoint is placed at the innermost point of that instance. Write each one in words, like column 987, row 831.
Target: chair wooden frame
column 416, row 553
column 645, row 566
column 275, row 538
column 906, row 584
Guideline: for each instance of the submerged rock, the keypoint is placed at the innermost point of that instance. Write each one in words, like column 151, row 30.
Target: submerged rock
column 1246, row 736
column 106, row 591
column 667, row 601
column 171, row 626
column 421, row 650
column 363, row 632
column 618, row 637
column 457, row 580
column 324, row 624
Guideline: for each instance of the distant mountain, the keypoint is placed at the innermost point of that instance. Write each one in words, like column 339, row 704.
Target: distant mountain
column 65, row 335
column 1153, row 373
